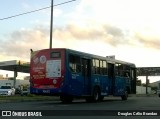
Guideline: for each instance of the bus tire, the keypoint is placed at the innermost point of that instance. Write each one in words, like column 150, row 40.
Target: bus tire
column 125, row 96
column 101, row 98
column 66, row 99
column 96, row 94
column 89, row 99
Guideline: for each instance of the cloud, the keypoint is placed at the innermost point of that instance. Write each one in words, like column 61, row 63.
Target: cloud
column 21, row 41
column 107, row 33
column 148, row 40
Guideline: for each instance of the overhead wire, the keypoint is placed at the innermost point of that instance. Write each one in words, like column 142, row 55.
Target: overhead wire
column 5, row 18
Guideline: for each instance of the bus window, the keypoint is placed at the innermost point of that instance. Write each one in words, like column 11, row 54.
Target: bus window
column 97, row 67
column 132, row 74
column 105, row 68
column 116, row 70
column 55, row 55
column 74, row 64
column 93, row 66
column 126, row 71
column 119, row 69
column 101, row 67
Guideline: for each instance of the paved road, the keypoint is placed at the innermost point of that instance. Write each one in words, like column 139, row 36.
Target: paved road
column 137, row 104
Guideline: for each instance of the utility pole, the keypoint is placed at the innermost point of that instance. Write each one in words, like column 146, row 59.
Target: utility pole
column 146, row 83
column 147, row 80
column 51, row 25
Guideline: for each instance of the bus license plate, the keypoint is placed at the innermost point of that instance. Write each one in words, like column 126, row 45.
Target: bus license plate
column 46, row 91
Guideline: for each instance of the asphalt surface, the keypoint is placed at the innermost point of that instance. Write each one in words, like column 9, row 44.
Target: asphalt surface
column 79, row 108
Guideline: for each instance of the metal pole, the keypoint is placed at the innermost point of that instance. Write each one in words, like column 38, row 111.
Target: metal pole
column 146, row 83
column 51, row 27
column 15, row 75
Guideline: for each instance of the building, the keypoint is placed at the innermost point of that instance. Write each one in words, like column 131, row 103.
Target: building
column 155, row 84
column 142, row 90
column 11, row 83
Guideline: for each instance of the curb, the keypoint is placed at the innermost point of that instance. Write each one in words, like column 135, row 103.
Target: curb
column 21, row 99
column 143, row 95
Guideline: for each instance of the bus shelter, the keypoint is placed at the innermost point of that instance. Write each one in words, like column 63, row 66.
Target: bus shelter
column 15, row 66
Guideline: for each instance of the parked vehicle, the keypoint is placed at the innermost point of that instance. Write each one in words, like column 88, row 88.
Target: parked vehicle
column 158, row 92
column 7, row 90
column 25, row 91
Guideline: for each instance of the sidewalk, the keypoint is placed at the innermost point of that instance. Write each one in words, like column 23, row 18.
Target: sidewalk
column 18, row 98
column 143, row 95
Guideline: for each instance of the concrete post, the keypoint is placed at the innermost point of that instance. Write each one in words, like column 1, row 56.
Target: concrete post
column 146, row 83
column 15, row 75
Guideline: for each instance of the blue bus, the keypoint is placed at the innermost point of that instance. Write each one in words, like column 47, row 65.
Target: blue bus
column 68, row 73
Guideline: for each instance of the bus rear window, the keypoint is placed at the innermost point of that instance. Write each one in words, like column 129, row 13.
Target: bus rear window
column 55, row 54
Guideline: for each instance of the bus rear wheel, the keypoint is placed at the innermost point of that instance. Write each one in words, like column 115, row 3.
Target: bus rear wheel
column 66, row 98
column 125, row 96
column 89, row 99
column 95, row 96
column 101, row 98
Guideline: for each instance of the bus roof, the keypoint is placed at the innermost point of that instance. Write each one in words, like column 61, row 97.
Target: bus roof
column 104, row 58
column 90, row 56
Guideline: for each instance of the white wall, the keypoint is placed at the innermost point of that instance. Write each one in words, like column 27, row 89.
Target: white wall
column 11, row 82
column 142, row 90
column 6, row 82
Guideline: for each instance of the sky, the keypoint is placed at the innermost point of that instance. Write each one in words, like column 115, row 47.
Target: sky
column 128, row 29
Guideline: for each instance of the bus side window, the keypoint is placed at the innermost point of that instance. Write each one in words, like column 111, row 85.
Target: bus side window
column 126, row 71
column 127, row 75
column 97, row 66
column 116, row 70
column 78, row 68
column 71, row 67
column 105, row 69
column 74, row 64
column 93, row 66
column 101, row 67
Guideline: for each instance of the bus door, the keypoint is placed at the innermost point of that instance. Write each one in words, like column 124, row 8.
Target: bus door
column 86, row 74
column 111, row 76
